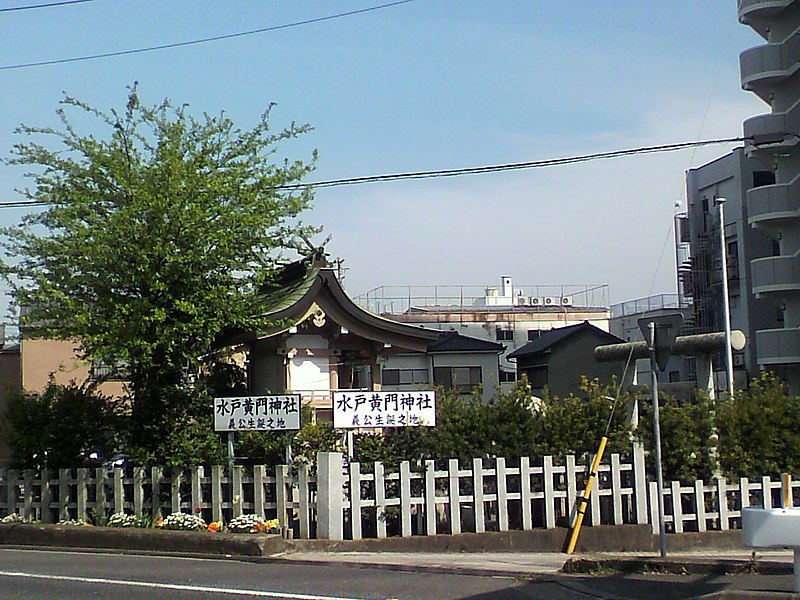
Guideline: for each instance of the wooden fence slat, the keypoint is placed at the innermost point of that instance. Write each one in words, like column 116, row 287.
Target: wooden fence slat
column 355, row 500
column 156, row 476
column 380, row 499
column 454, row 496
column 405, row 498
column 175, row 491
column 430, row 497
column 722, row 503
column 138, row 491
column 237, row 491
column 198, row 473
column 304, row 501
column 700, row 504
column 63, row 495
column 677, row 506
column 82, row 493
column 526, row 492
column 216, row 492
column 502, row 495
column 45, row 495
column 572, row 488
column 616, row 490
column 259, row 498
column 549, row 493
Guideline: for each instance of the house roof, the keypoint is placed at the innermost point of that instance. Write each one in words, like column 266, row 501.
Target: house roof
column 548, row 340
column 452, row 341
column 306, row 284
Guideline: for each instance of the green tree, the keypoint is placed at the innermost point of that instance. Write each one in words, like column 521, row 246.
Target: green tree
column 758, row 430
column 156, row 235
column 59, row 427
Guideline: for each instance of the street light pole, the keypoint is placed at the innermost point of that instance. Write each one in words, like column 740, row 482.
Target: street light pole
column 726, row 305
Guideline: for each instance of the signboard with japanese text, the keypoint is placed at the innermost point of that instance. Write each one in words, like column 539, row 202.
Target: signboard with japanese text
column 257, row 413
column 355, row 409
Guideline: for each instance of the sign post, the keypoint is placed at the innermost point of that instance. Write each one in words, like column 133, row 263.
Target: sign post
column 660, row 333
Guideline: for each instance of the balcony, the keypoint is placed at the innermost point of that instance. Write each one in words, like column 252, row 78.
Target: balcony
column 776, row 274
column 774, row 132
column 755, row 12
column 774, row 205
column 763, row 67
column 778, row 346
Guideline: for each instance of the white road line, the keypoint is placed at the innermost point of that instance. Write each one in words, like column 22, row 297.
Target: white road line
column 174, row 586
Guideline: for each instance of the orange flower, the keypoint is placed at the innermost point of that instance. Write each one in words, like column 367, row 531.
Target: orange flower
column 213, row 526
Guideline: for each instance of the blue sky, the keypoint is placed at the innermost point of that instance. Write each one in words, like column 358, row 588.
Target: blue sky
column 432, row 84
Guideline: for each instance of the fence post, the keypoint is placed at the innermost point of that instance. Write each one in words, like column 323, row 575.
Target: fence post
column 259, row 475
column 27, row 497
column 216, row 493
column 119, row 491
column 175, row 491
column 330, row 501
column 63, row 495
column 700, row 505
column 616, row 489
column 155, row 487
column 355, row 500
column 303, row 501
column 430, row 497
column 454, row 496
column 549, row 493
column 640, row 483
column 477, row 495
column 722, row 503
column 677, row 507
column 46, row 496
column 405, row 498
column 237, row 491
column 766, row 492
column 100, row 494
column 197, row 489
column 654, row 508
column 380, row 500
column 502, row 495
column 525, row 492
column 572, row 489
column 83, row 476
column 138, row 491
column 281, row 477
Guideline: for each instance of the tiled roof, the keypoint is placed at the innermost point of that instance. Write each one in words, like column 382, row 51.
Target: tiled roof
column 555, row 336
column 452, row 341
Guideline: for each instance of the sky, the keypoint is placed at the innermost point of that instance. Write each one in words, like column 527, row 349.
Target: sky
column 427, row 85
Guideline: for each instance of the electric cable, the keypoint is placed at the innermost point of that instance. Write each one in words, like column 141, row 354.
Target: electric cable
column 46, row 5
column 215, row 38
column 536, row 164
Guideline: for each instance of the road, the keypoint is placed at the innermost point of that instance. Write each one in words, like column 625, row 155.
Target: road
column 27, row 574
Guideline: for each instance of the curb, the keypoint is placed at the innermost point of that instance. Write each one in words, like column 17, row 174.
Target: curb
column 699, row 566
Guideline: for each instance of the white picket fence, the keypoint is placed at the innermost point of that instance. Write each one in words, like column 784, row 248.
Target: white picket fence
column 339, row 500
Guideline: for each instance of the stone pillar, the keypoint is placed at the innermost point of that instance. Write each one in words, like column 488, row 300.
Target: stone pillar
column 330, row 495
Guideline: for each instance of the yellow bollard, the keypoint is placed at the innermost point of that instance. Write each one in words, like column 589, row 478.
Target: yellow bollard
column 584, row 500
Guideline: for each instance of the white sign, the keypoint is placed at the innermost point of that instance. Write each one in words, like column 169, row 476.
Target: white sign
column 354, row 409
column 257, row 413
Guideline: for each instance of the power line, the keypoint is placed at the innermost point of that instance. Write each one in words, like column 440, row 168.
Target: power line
column 536, row 164
column 201, row 40
column 47, row 5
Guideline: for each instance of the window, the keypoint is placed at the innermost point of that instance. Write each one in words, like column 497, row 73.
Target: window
column 103, row 371
column 537, row 376
column 507, row 376
column 404, row 376
column 462, row 379
column 763, row 178
column 534, row 334
column 505, row 335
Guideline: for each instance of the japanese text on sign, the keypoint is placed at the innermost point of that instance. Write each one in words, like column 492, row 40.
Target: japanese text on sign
column 354, row 409
column 257, row 413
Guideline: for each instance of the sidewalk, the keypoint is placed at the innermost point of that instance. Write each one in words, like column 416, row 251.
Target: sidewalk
column 776, row 562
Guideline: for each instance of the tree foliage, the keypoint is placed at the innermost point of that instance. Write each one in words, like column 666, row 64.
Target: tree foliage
column 156, row 235
column 59, row 427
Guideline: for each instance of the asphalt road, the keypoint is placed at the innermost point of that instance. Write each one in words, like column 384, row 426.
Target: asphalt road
column 26, row 574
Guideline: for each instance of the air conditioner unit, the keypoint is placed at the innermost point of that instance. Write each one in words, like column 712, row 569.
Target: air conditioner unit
column 551, row 301
column 536, row 301
column 566, row 300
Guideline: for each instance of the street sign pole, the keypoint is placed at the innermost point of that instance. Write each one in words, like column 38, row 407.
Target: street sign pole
column 662, row 534
column 660, row 333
